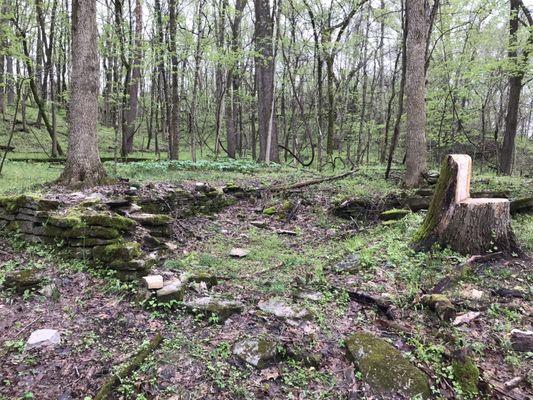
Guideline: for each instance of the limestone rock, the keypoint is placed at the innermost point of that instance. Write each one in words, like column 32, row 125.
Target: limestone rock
column 350, row 265
column 308, row 295
column 237, row 252
column 23, row 280
column 256, row 352
column 51, row 291
column 146, row 219
column 117, row 252
column 43, row 338
column 170, row 292
column 153, row 281
column 283, row 309
column 440, row 304
column 384, row 367
column 200, row 277
column 522, row 340
column 223, row 308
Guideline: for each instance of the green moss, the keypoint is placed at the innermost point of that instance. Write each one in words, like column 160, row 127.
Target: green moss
column 269, row 211
column 433, row 215
column 393, row 214
column 101, row 232
column 122, row 251
column 384, row 368
column 23, row 280
column 466, row 374
column 12, row 203
column 109, row 220
column 69, row 220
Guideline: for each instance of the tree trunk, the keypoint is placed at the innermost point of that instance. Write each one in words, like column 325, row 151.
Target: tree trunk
column 173, row 108
column 83, row 166
column 134, row 84
column 264, row 65
column 415, row 84
column 467, row 225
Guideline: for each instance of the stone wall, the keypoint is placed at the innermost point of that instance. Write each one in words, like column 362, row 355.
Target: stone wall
column 118, row 227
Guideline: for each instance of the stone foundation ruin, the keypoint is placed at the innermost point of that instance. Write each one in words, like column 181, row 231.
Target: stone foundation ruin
column 117, row 227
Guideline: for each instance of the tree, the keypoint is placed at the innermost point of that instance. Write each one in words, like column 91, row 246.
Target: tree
column 415, row 89
column 518, row 65
column 83, row 166
column 264, row 70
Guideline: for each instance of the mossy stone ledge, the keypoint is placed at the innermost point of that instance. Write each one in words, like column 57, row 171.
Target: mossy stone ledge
column 115, row 252
column 384, row 367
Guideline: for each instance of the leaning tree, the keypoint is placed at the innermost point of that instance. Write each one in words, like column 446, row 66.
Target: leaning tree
column 83, row 167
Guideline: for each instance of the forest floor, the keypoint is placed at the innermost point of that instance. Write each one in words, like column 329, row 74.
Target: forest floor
column 102, row 324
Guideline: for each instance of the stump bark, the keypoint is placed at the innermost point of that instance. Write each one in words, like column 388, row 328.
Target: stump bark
column 465, row 224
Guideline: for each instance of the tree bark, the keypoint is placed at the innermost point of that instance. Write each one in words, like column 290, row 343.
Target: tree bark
column 83, row 166
column 416, row 151
column 264, row 69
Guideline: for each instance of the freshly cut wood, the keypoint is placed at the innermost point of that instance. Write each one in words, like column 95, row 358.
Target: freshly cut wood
column 465, row 224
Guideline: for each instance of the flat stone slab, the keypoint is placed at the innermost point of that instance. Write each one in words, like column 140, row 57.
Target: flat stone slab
column 172, row 291
column 385, row 369
column 283, row 309
column 153, row 281
column 223, row 308
column 350, row 265
column 237, row 252
column 43, row 338
column 256, row 352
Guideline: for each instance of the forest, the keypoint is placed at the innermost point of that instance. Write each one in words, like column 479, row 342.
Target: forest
column 267, row 199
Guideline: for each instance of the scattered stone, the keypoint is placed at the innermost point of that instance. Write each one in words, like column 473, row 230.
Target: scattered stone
column 259, row 353
column 393, row 215
column 350, row 265
column 465, row 318
column 259, row 223
column 432, row 177
column 522, row 340
column 171, row 246
column 200, row 277
column 472, row 294
column 440, row 304
column 170, row 292
column 43, row 338
column 51, row 291
column 281, row 308
column 153, row 281
column 237, row 252
column 211, row 305
column 384, row 367
column 308, row 295
column 23, row 280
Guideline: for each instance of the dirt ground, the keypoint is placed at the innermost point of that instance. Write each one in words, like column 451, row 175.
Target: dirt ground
column 102, row 325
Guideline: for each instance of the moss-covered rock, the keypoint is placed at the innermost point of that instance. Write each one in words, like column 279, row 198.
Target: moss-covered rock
column 23, row 280
column 11, row 204
column 393, row 214
column 69, row 220
column 466, row 375
column 117, row 252
column 259, row 353
column 109, row 220
column 208, row 306
column 146, row 219
column 102, row 232
column 440, row 304
column 198, row 277
column 384, row 367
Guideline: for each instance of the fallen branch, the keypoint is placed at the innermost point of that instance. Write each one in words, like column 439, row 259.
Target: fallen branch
column 300, row 185
column 384, row 305
column 454, row 277
column 126, row 369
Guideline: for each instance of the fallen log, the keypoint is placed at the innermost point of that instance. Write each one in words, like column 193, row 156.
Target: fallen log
column 126, row 369
column 311, row 182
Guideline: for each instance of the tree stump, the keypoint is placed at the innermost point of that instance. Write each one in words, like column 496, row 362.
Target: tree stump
column 467, row 225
